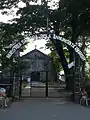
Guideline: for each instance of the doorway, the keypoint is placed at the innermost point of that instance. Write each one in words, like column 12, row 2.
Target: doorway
column 35, row 76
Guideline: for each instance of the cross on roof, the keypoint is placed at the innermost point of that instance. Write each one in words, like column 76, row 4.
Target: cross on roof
column 35, row 46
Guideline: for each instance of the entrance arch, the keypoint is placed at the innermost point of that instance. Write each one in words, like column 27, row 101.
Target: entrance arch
column 19, row 44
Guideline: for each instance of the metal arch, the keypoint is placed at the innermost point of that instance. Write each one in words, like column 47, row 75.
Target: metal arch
column 68, row 42
column 15, row 48
column 55, row 37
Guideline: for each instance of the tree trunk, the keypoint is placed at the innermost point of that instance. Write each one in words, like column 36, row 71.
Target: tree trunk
column 63, row 61
column 69, row 73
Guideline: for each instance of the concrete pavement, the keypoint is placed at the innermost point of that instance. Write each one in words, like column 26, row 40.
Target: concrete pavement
column 39, row 90
column 39, row 109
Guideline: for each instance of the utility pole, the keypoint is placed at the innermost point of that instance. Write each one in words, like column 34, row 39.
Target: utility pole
column 46, row 5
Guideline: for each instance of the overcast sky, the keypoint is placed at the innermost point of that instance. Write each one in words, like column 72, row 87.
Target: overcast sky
column 39, row 44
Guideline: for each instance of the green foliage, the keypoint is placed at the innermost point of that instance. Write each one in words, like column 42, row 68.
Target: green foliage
column 56, row 60
column 54, row 55
column 77, row 18
column 49, row 45
column 32, row 17
column 88, row 59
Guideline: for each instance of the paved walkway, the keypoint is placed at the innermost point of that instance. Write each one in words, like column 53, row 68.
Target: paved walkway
column 41, row 91
column 40, row 109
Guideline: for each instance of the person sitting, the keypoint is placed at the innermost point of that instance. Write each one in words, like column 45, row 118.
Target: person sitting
column 3, row 95
column 84, row 97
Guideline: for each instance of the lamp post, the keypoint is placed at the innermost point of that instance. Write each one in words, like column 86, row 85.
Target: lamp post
column 12, row 78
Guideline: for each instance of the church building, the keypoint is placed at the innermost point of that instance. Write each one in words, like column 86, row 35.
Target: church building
column 38, row 64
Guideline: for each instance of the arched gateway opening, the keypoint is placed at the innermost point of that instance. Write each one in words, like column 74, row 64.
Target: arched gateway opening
column 40, row 72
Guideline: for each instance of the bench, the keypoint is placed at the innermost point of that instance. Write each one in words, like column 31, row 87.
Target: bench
column 2, row 101
column 88, row 99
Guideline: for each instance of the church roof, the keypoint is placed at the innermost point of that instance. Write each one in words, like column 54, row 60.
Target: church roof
column 35, row 50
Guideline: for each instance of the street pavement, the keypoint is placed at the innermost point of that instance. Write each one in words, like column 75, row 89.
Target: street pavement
column 40, row 84
column 45, row 109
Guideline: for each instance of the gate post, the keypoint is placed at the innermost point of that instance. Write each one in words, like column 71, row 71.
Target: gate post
column 20, row 87
column 46, row 83
column 46, row 70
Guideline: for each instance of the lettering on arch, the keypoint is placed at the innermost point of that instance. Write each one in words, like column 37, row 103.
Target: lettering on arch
column 68, row 42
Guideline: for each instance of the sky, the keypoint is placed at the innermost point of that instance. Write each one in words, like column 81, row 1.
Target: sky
column 40, row 44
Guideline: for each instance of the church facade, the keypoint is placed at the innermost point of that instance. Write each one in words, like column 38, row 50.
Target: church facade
column 38, row 64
